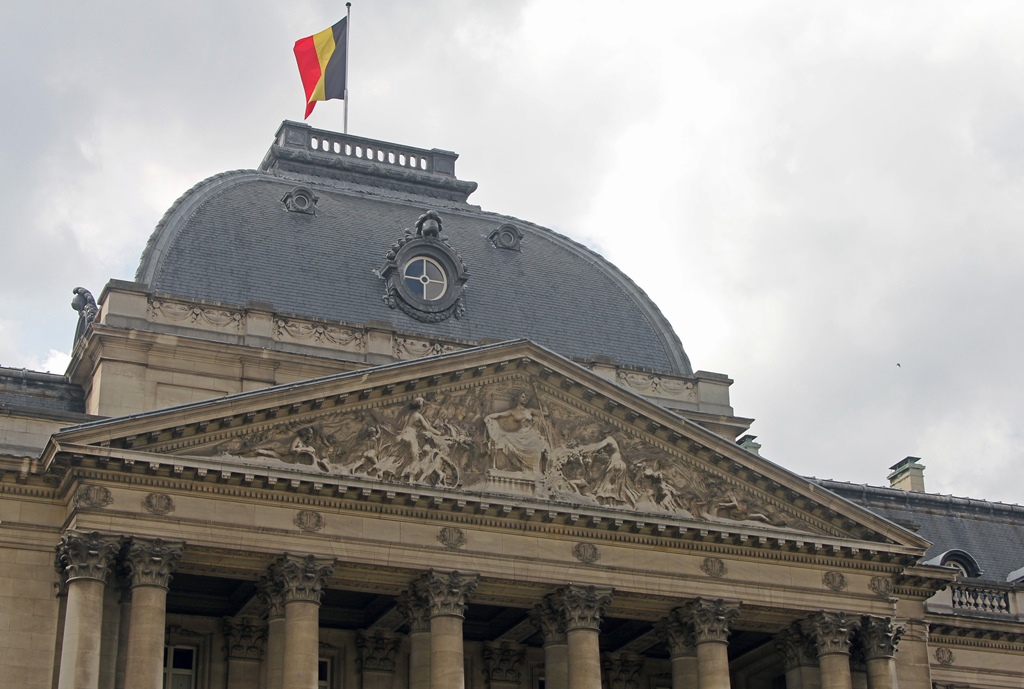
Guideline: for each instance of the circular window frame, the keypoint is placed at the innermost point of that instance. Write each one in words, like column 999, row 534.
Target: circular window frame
column 443, row 256
column 424, row 278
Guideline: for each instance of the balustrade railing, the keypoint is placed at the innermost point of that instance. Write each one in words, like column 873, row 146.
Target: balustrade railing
column 980, row 599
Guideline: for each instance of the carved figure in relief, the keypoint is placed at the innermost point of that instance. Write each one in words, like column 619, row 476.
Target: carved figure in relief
column 613, row 486
column 428, row 449
column 514, row 440
column 303, row 451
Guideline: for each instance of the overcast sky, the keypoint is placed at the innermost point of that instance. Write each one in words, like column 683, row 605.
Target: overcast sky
column 825, row 199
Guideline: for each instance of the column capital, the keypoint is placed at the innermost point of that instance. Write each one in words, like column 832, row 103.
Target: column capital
column 415, row 610
column 622, row 670
column 269, row 591
column 244, row 638
column 503, row 661
column 581, row 606
column 85, row 556
column 377, row 650
column 710, row 619
column 677, row 632
column 550, row 622
column 831, row 631
column 151, row 561
column 879, row 636
column 445, row 593
column 300, row 578
column 796, row 648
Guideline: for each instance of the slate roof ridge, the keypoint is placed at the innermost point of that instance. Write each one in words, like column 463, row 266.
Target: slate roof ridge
column 948, row 502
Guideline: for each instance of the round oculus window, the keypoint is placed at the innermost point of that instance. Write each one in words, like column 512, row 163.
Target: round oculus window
column 425, row 278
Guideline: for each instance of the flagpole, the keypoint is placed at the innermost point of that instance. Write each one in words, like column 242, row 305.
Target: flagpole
column 348, row 39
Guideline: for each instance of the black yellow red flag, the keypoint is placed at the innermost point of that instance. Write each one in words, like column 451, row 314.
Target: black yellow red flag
column 322, row 64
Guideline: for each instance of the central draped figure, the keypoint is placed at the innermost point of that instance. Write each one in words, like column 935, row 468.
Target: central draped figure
column 514, row 439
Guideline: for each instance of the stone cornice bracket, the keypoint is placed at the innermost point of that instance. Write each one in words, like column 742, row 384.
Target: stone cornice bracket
column 151, row 562
column 710, row 619
column 377, row 650
column 796, row 648
column 244, row 638
column 301, row 578
column 582, row 606
column 549, row 620
column 269, row 591
column 415, row 610
column 503, row 661
column 676, row 630
column 879, row 636
column 85, row 556
column 831, row 631
column 445, row 594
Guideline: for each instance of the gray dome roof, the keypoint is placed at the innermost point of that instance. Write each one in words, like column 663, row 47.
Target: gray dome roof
column 232, row 239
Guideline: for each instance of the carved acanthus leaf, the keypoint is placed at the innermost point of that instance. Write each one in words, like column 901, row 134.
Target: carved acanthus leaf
column 710, row 618
column 879, row 636
column 550, row 621
column 244, row 638
column 415, row 610
column 377, row 650
column 581, row 606
column 151, row 562
column 445, row 593
column 86, row 555
column 503, row 661
column 796, row 648
column 831, row 631
column 301, row 579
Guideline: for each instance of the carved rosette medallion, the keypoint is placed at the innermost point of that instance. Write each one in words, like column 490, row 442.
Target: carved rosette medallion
column 151, row 562
column 301, row 579
column 879, row 636
column 415, row 610
column 710, row 619
column 944, row 656
column 882, row 586
column 796, row 648
column 714, row 567
column 582, row 606
column 586, row 553
column 622, row 671
column 85, row 556
column 244, row 638
column 93, row 496
column 503, row 661
column 158, row 503
column 452, row 537
column 309, row 521
column 677, row 633
column 445, row 593
column 831, row 631
column 377, row 650
column 550, row 621
column 834, row 580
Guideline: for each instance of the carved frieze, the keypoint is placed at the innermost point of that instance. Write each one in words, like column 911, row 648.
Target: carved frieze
column 93, row 496
column 151, row 562
column 445, row 593
column 581, row 606
column 405, row 348
column 85, row 555
column 505, row 438
column 182, row 312
column 503, row 661
column 244, row 638
column 320, row 333
column 879, row 636
column 648, row 384
column 158, row 503
column 831, row 631
column 710, row 618
column 301, row 579
column 377, row 650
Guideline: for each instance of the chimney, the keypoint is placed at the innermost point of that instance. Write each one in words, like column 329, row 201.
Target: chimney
column 907, row 474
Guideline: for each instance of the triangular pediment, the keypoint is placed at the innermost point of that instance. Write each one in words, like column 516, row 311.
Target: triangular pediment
column 511, row 423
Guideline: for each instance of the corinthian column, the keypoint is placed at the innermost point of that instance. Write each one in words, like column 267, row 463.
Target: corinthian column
column 832, row 632
column 85, row 561
column 800, row 656
column 302, row 582
column 150, row 564
column 582, row 608
column 879, row 637
column 244, row 639
column 446, row 595
column 710, row 620
column 270, row 594
column 551, row 623
column 677, row 632
column 417, row 613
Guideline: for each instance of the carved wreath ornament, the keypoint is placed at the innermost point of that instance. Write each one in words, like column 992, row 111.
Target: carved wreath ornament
column 503, row 438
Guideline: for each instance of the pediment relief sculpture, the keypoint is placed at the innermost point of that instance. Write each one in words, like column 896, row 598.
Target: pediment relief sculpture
column 507, row 438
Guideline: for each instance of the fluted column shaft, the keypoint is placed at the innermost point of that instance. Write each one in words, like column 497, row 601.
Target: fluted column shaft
column 417, row 613
column 710, row 620
column 301, row 581
column 446, row 595
column 551, row 623
column 832, row 633
column 582, row 608
column 270, row 594
column 676, row 629
column 84, row 559
column 150, row 564
column 879, row 637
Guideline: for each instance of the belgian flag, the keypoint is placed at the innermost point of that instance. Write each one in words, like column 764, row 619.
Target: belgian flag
column 321, row 59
